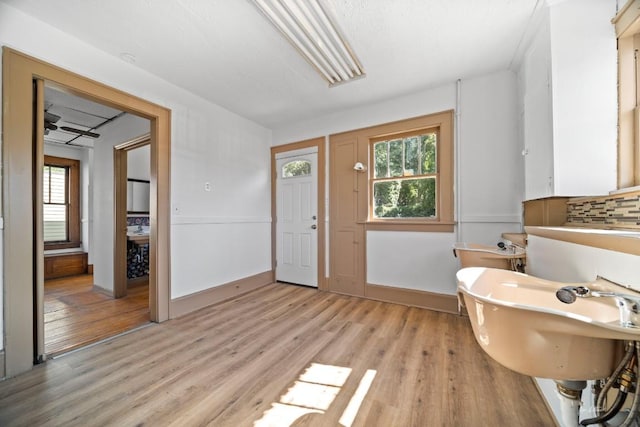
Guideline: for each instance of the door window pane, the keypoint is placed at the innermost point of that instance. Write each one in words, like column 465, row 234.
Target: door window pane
column 296, row 168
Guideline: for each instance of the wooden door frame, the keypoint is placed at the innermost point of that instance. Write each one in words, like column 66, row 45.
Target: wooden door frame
column 18, row 73
column 320, row 144
column 120, row 163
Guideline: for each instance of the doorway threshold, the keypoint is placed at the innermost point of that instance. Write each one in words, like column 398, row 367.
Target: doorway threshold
column 102, row 341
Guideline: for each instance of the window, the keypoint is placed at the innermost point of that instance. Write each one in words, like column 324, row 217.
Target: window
column 405, row 176
column 395, row 176
column 61, row 209
column 411, row 178
column 627, row 24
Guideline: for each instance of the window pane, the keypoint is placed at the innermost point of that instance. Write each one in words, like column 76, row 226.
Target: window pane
column 428, row 152
column 405, row 198
column 395, row 158
column 57, row 178
column 411, row 156
column 55, row 223
column 296, row 168
column 380, row 158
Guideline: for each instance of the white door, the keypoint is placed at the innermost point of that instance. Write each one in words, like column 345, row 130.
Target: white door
column 296, row 216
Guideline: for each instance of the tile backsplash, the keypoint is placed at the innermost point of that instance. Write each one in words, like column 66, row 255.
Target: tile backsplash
column 616, row 210
column 142, row 220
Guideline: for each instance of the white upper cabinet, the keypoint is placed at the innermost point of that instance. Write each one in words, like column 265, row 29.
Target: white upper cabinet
column 569, row 100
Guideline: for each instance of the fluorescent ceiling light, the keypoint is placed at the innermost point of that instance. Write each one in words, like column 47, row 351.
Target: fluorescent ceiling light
column 308, row 27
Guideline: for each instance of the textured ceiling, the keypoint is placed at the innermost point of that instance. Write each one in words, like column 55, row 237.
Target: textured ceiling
column 226, row 51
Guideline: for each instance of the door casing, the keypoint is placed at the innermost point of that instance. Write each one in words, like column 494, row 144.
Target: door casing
column 120, row 204
column 315, row 142
column 298, row 225
column 18, row 198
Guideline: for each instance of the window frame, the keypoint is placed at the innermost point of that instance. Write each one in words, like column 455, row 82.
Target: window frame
column 373, row 179
column 73, row 202
column 442, row 124
column 627, row 27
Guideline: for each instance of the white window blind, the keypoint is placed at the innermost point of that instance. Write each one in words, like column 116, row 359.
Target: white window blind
column 55, row 196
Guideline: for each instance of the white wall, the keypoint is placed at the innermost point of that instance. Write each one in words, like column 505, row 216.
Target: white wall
column 490, row 178
column 208, row 143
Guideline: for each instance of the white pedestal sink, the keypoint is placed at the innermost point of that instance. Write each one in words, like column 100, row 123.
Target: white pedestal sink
column 519, row 322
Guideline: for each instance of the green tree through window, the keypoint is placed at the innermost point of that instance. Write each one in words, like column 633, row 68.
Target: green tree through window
column 296, row 168
column 404, row 177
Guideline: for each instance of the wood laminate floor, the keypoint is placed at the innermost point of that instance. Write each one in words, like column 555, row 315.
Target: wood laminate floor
column 75, row 314
column 280, row 356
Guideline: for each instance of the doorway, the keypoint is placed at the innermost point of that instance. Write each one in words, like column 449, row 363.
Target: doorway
column 131, row 202
column 81, row 303
column 298, row 209
column 297, row 217
column 22, row 345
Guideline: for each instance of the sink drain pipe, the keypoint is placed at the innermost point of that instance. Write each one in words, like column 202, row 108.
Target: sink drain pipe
column 570, row 393
column 626, row 377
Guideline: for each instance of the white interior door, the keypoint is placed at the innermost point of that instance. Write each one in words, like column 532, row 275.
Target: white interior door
column 296, row 217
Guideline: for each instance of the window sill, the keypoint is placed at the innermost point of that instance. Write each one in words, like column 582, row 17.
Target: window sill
column 410, row 225
column 61, row 245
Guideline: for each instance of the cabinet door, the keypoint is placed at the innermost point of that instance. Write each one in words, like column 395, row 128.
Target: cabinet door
column 538, row 117
column 538, row 152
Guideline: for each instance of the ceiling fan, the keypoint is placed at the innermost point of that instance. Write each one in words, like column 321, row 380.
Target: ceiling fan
column 49, row 124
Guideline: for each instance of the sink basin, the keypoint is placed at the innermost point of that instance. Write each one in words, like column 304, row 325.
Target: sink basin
column 519, row 322
column 477, row 255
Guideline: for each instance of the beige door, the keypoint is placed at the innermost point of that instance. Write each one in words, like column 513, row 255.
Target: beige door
column 38, row 233
column 347, row 241
column 297, row 217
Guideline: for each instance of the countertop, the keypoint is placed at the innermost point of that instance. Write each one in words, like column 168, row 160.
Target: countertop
column 139, row 239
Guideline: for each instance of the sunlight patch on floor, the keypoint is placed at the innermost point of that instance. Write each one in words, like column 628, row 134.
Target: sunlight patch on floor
column 313, row 393
column 350, row 412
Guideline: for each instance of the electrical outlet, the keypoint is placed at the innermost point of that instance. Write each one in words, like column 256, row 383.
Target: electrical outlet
column 207, row 186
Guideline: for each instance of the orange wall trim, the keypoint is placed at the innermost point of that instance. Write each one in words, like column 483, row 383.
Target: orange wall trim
column 412, row 297
column 188, row 303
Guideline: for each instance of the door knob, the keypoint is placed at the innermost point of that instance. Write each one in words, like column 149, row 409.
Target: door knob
column 313, row 227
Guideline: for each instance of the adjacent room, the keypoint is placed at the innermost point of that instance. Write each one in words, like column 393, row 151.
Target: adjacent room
column 80, row 306
column 320, row 213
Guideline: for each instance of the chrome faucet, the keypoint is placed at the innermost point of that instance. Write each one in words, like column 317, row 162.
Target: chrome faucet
column 629, row 305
